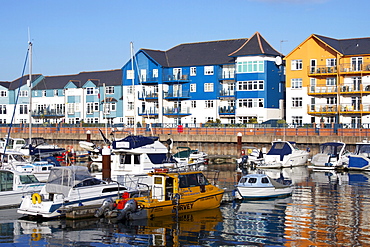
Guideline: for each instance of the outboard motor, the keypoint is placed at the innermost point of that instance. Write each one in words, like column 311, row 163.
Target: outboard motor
column 107, row 204
column 130, row 207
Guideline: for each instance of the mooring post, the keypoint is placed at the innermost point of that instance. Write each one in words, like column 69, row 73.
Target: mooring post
column 88, row 136
column 106, row 163
column 239, row 143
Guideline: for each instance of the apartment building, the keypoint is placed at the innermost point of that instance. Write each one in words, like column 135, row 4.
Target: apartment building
column 328, row 81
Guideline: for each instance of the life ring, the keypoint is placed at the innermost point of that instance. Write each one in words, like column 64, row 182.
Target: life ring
column 36, row 236
column 36, row 197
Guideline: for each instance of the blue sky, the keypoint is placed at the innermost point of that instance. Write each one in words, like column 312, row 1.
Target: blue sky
column 72, row 36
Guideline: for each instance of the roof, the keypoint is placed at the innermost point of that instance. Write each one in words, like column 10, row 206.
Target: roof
column 22, row 81
column 256, row 45
column 355, row 46
column 109, row 77
column 212, row 52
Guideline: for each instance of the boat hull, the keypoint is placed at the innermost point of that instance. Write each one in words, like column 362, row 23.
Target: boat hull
column 263, row 192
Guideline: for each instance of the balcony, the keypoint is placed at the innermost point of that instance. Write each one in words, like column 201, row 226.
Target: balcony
column 147, row 96
column 344, row 109
column 150, row 112
column 176, row 95
column 226, row 111
column 344, row 90
column 321, row 70
column 353, row 69
column 46, row 113
column 227, row 93
column 174, row 79
column 175, row 111
column 226, row 75
column 149, row 80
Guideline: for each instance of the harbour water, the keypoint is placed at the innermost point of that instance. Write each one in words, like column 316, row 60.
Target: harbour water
column 325, row 209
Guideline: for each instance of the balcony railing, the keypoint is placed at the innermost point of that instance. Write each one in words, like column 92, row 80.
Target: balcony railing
column 320, row 70
column 152, row 111
column 226, row 110
column 45, row 113
column 343, row 89
column 177, row 95
column 355, row 68
column 343, row 109
column 227, row 75
column 227, row 93
column 147, row 96
column 178, row 78
column 176, row 111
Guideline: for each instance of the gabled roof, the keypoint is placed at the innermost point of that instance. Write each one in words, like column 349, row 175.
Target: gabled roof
column 109, row 77
column 5, row 84
column 356, row 46
column 256, row 45
column 22, row 81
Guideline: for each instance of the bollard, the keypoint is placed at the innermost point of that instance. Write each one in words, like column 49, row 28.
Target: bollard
column 88, row 136
column 106, row 163
column 239, row 143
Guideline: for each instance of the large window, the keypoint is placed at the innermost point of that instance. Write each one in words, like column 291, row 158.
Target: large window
column 297, row 64
column 250, row 67
column 208, row 87
column 250, row 85
column 296, row 102
column 23, row 109
column 297, row 120
column 250, row 103
column 296, row 83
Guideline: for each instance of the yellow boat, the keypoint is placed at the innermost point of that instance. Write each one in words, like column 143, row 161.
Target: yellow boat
column 170, row 193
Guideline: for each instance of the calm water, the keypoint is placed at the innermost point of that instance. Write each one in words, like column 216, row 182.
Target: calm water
column 326, row 209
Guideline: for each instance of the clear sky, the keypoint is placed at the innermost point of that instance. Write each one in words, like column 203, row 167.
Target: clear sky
column 72, row 36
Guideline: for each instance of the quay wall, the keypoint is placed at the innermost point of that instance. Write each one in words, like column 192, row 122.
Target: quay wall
column 211, row 143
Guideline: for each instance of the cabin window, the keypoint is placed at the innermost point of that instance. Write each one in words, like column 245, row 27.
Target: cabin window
column 158, row 180
column 28, row 179
column 6, row 179
column 252, row 180
column 264, row 180
column 191, row 180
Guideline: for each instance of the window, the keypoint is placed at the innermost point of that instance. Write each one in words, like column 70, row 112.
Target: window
column 297, row 64
column 44, row 93
column 250, row 85
column 23, row 109
column 71, row 108
column 331, row 81
column 130, row 106
column 109, row 90
column 331, row 62
column 209, row 119
column 3, row 93
column 250, row 67
column 96, row 106
column 177, row 73
column 130, row 121
column 2, row 109
column 209, row 103
column 208, row 70
column 193, row 104
column 193, row 87
column 297, row 120
column 23, row 93
column 130, row 89
column 130, row 74
column 89, row 91
column 250, row 103
column 89, row 108
column 56, row 93
column 296, row 82
column 208, row 87
column 297, row 102
column 193, row 71
column 155, row 73
column 331, row 100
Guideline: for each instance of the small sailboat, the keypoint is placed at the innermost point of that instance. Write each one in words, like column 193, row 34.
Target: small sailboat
column 170, row 193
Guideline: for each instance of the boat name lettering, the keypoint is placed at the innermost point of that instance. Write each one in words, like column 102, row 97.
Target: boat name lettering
column 183, row 207
column 207, row 198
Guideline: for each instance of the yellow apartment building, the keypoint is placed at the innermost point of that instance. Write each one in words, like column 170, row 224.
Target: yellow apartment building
column 328, row 81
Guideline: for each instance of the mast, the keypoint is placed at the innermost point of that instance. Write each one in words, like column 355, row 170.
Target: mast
column 30, row 95
column 133, row 83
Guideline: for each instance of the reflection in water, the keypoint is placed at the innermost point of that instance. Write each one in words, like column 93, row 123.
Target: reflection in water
column 327, row 208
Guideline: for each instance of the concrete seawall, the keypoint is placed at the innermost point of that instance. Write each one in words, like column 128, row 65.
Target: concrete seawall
column 212, row 144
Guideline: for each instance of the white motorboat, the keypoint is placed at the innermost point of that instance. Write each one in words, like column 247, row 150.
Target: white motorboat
column 189, row 156
column 262, row 186
column 250, row 156
column 68, row 187
column 40, row 148
column 332, row 155
column 283, row 154
column 360, row 159
column 14, row 185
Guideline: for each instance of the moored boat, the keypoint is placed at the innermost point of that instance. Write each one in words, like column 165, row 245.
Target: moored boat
column 360, row 159
column 14, row 185
column 332, row 155
column 171, row 193
column 261, row 186
column 283, row 154
column 68, row 187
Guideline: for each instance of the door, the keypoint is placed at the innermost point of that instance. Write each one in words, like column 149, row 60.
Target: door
column 356, row 63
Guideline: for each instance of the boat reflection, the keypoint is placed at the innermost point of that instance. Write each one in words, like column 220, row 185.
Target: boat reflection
column 188, row 228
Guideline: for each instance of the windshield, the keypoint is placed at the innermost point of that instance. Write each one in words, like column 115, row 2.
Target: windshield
column 19, row 158
column 28, row 179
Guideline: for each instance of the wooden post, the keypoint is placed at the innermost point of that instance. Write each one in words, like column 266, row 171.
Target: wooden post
column 239, row 143
column 88, row 136
column 106, row 163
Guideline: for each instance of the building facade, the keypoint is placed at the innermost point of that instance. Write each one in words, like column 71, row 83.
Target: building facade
column 328, row 81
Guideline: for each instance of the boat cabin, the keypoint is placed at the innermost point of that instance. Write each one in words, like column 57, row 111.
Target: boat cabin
column 9, row 180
